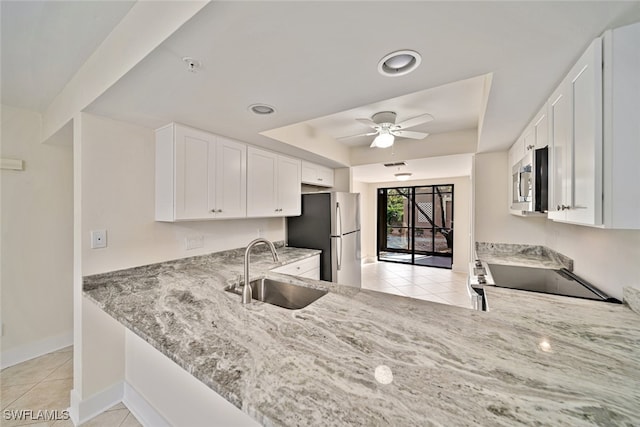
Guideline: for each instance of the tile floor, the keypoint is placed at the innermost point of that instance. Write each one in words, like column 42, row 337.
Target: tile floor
column 427, row 283
column 44, row 383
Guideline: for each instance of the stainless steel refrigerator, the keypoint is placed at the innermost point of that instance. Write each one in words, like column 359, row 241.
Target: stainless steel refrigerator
column 330, row 222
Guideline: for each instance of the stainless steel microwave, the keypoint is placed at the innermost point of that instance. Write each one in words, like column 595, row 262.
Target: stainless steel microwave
column 530, row 182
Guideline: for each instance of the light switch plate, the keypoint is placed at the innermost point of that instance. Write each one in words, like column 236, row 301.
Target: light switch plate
column 98, row 239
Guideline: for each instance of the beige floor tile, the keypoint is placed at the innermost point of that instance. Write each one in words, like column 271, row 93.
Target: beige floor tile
column 34, row 370
column 63, row 372
column 108, row 419
column 11, row 393
column 65, row 350
column 48, row 395
column 130, row 421
column 397, row 281
column 457, row 298
column 117, row 406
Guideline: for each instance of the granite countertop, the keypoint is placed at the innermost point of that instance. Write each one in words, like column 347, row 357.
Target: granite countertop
column 522, row 255
column 359, row 357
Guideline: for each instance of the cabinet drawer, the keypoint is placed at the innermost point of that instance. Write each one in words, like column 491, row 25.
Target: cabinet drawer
column 299, row 268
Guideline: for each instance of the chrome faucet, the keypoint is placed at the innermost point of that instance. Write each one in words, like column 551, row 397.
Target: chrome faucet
column 246, row 290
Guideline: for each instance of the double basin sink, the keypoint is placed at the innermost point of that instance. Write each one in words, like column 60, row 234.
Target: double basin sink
column 282, row 294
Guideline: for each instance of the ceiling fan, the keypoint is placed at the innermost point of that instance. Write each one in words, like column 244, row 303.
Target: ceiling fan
column 387, row 129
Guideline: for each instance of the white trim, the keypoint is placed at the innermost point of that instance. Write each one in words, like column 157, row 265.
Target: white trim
column 12, row 164
column 141, row 409
column 82, row 411
column 35, row 349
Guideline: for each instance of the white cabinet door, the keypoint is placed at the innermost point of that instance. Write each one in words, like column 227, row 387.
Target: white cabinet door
column 262, row 183
column 198, row 175
column 273, row 184
column 231, row 179
column 560, row 152
column 195, row 153
column 586, row 94
column 316, row 175
column 289, row 198
column 325, row 176
column 541, row 128
column 575, row 120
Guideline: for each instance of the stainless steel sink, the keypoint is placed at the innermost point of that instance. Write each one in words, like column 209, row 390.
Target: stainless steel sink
column 281, row 294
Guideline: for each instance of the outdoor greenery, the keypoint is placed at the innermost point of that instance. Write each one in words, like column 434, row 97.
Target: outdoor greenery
column 395, row 208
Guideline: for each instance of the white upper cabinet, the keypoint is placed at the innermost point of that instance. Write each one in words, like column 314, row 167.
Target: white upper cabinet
column 594, row 135
column 576, row 140
column 231, row 179
column 316, row 175
column 273, row 184
column 198, row 175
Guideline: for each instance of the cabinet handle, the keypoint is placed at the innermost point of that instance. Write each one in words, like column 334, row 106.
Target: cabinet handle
column 213, row 211
column 530, row 147
column 562, row 208
column 219, row 210
column 319, row 179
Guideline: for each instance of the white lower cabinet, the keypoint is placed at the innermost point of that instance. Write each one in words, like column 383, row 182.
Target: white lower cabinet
column 273, row 184
column 308, row 267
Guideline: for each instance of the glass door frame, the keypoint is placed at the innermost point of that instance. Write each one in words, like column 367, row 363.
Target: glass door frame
column 382, row 224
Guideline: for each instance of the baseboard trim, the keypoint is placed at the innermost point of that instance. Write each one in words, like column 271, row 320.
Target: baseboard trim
column 35, row 349
column 141, row 409
column 82, row 411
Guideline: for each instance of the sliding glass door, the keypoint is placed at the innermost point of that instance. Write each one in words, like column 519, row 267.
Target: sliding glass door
column 415, row 225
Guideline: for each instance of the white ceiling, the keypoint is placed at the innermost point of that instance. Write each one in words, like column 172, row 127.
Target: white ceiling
column 454, row 106
column 313, row 59
column 430, row 168
column 309, row 59
column 43, row 43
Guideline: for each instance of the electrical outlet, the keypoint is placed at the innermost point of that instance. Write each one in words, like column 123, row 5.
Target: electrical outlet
column 194, row 242
column 98, row 239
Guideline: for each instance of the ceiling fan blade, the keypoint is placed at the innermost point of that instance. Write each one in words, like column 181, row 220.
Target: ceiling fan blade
column 355, row 136
column 369, row 123
column 409, row 134
column 415, row 121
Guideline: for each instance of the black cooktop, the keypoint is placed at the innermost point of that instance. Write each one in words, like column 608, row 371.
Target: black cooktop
column 548, row 281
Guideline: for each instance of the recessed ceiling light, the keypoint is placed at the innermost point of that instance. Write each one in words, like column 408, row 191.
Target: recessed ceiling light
column 262, row 109
column 399, row 63
column 403, row 176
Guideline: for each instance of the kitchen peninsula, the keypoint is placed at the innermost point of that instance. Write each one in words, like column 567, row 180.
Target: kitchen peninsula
column 360, row 357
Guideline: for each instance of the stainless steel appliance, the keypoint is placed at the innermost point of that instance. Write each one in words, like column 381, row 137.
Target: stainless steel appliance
column 530, row 182
column 330, row 222
column 549, row 281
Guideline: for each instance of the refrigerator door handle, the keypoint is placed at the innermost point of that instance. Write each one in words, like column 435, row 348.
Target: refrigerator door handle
column 339, row 241
column 339, row 244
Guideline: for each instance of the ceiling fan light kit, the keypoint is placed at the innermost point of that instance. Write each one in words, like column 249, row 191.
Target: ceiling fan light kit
column 386, row 128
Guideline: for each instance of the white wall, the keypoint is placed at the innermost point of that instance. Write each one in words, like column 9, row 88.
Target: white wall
column 461, row 214
column 607, row 258
column 493, row 222
column 115, row 170
column 37, row 240
column 118, row 166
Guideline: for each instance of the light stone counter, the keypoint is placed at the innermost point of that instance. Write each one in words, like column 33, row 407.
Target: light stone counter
column 522, row 255
column 317, row 366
